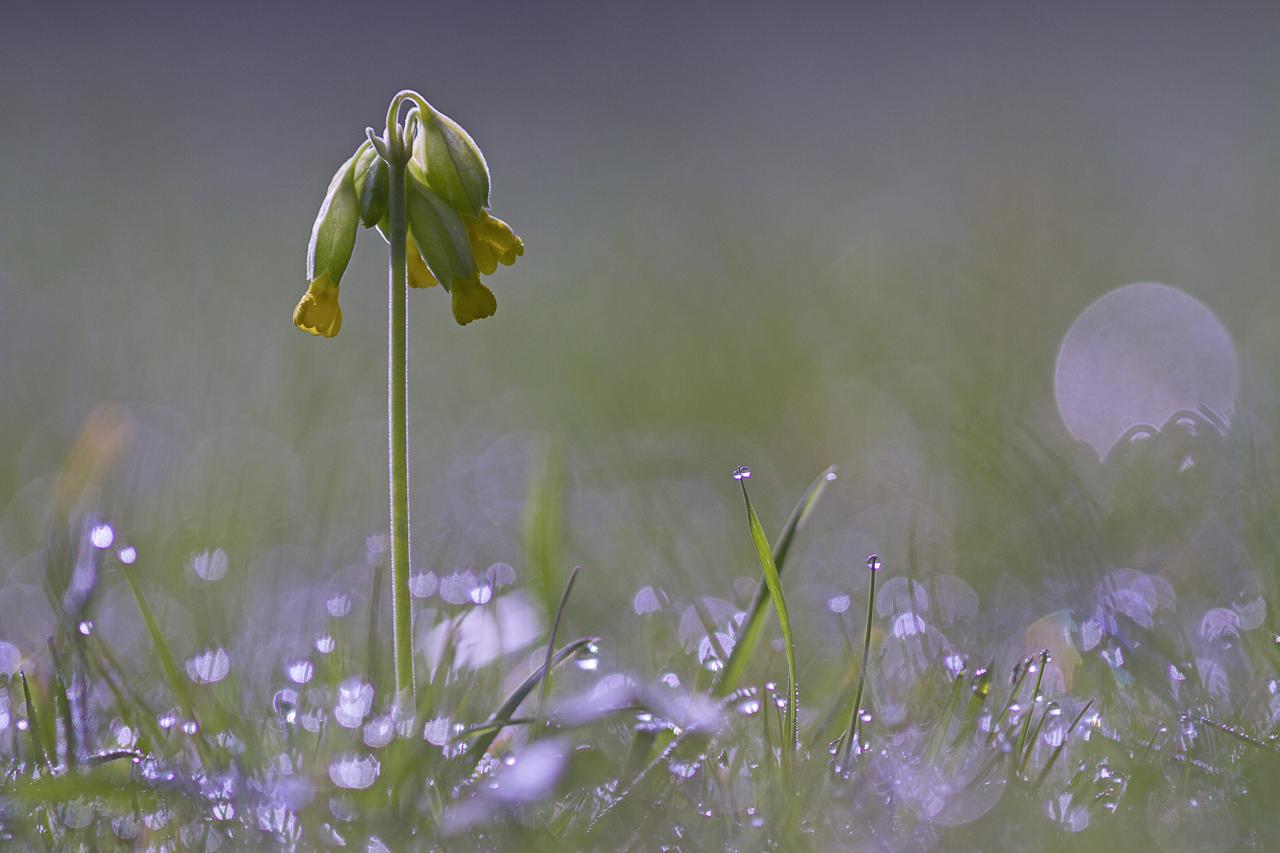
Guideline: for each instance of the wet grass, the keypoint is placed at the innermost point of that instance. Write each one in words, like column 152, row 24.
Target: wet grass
column 934, row 754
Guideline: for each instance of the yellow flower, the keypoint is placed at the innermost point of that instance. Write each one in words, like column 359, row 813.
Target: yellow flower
column 318, row 311
column 472, row 300
column 492, row 242
column 419, row 275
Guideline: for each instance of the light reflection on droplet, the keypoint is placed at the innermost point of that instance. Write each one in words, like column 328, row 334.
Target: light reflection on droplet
column 500, row 575
column 209, row 666
column 354, row 771
column 209, row 565
column 646, row 601
column 423, row 584
column 339, row 605
column 481, row 593
column 102, row 536
column 300, row 671
column 742, row 472
column 456, row 588
column 325, row 644
column 128, row 555
column 587, row 658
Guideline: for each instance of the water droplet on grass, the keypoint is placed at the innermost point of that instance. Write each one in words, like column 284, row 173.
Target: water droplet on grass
column 300, row 671
column 354, row 771
column 102, row 536
column 587, row 657
column 423, row 584
column 482, row 593
column 209, row 666
column 873, row 562
column 128, row 555
column 742, row 472
column 210, row 565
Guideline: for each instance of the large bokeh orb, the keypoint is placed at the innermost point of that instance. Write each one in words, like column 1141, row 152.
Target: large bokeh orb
column 1136, row 357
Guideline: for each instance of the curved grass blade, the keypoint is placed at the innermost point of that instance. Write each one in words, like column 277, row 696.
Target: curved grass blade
column 508, row 708
column 551, row 640
column 774, row 582
column 753, row 626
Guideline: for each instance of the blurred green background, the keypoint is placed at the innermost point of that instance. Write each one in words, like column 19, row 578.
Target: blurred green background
column 777, row 236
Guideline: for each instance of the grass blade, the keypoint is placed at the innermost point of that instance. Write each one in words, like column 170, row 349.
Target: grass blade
column 551, row 641
column 508, row 708
column 753, row 626
column 33, row 724
column 774, row 582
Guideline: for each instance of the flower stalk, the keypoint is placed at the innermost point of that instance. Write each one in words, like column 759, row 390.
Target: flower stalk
column 424, row 186
column 398, row 408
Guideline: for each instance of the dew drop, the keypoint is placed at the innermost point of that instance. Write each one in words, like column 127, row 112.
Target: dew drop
column 873, row 562
column 338, row 606
column 587, row 657
column 742, row 472
column 300, row 671
column 102, row 536
column 209, row 666
column 85, row 628
column 482, row 593
column 423, row 584
column 354, row 771
column 325, row 644
column 209, row 565
column 128, row 555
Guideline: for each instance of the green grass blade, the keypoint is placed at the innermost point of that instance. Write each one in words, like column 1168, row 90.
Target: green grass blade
column 33, row 724
column 765, row 553
column 508, row 708
column 167, row 662
column 753, row 627
column 551, row 641
column 542, row 527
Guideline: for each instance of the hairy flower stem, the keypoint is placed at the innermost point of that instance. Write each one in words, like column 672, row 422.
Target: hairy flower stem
column 398, row 412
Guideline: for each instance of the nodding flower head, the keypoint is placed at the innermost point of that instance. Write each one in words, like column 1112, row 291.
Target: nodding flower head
column 452, row 237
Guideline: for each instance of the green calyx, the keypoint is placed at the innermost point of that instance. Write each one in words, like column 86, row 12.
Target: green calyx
column 439, row 234
column 333, row 236
column 451, row 162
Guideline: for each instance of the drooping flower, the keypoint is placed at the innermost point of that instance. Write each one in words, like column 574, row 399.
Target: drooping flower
column 333, row 237
column 459, row 239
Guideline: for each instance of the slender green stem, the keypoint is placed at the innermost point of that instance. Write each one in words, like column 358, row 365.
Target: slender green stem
column 873, row 567
column 398, row 417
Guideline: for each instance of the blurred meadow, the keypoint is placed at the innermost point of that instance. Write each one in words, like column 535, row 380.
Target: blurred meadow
column 786, row 237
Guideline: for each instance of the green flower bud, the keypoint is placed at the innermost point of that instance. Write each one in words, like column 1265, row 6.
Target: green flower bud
column 333, row 237
column 454, row 167
column 372, row 185
column 439, row 234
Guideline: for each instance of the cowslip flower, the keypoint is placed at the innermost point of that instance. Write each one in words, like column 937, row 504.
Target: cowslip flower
column 463, row 238
column 452, row 239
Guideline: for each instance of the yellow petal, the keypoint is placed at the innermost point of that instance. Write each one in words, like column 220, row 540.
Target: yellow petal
column 419, row 274
column 492, row 239
column 472, row 300
column 318, row 311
